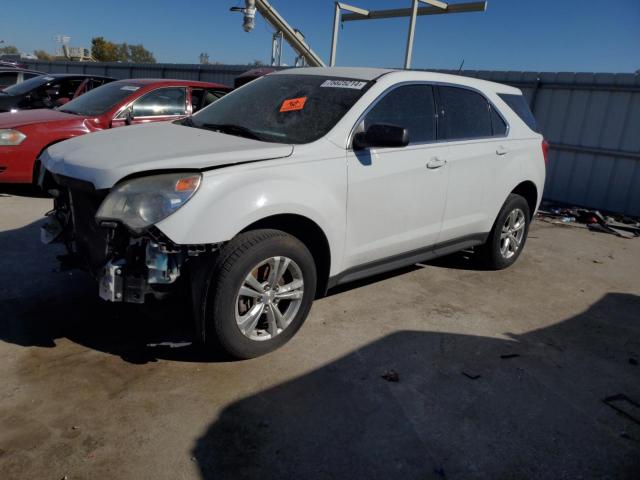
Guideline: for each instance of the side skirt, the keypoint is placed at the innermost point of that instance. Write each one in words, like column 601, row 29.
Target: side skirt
column 405, row 259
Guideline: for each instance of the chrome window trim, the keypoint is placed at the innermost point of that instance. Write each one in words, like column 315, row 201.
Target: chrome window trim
column 119, row 115
column 431, row 84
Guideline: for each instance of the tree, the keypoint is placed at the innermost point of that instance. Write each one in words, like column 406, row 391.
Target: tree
column 256, row 63
column 139, row 54
column 106, row 51
column 122, row 51
column 9, row 50
column 42, row 55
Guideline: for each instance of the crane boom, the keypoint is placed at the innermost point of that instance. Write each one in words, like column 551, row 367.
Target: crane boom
column 291, row 35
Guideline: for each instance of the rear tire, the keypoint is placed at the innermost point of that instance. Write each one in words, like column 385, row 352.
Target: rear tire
column 508, row 235
column 259, row 292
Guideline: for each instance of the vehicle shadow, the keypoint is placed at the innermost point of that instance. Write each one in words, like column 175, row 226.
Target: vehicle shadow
column 40, row 303
column 559, row 402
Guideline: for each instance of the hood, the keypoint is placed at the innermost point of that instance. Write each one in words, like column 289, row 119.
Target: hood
column 105, row 157
column 29, row 117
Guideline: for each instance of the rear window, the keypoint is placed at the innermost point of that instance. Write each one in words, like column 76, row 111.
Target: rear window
column 8, row 78
column 497, row 123
column 462, row 114
column 519, row 105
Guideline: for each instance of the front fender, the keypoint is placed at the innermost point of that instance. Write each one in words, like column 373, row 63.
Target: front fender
column 232, row 198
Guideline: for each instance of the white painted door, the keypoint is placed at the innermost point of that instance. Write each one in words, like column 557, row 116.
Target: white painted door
column 396, row 196
column 465, row 124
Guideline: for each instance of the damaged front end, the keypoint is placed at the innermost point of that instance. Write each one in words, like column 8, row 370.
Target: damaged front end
column 104, row 233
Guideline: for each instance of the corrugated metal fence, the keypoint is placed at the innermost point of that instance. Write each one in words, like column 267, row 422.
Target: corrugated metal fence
column 206, row 73
column 591, row 120
column 593, row 124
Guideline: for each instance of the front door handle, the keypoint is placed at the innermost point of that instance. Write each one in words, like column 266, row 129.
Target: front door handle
column 502, row 150
column 436, row 162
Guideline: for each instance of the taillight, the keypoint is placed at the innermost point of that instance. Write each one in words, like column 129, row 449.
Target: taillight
column 545, row 151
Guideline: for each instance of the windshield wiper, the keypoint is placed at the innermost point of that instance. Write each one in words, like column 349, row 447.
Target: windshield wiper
column 230, row 129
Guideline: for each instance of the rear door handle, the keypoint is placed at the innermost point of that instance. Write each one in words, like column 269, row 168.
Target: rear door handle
column 502, row 150
column 436, row 162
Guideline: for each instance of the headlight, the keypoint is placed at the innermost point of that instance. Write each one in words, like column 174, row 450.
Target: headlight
column 11, row 137
column 144, row 201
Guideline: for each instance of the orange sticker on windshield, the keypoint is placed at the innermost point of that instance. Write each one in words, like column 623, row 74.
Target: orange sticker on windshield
column 293, row 104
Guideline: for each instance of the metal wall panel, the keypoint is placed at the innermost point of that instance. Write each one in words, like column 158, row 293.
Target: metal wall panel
column 593, row 124
column 591, row 120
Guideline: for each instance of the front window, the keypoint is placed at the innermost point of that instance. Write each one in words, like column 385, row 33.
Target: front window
column 201, row 98
column 285, row 108
column 161, row 102
column 411, row 107
column 65, row 88
column 100, row 100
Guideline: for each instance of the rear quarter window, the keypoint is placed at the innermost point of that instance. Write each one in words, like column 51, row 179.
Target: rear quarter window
column 519, row 105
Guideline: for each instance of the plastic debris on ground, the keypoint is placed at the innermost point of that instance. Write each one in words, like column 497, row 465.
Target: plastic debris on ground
column 619, row 225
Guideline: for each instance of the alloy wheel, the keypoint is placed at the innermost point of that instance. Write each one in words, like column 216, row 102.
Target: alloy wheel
column 512, row 233
column 269, row 298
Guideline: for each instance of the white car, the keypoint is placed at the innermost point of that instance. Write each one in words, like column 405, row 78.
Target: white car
column 298, row 181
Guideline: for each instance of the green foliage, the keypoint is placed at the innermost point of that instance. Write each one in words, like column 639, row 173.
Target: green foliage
column 9, row 50
column 106, row 51
column 137, row 53
column 42, row 55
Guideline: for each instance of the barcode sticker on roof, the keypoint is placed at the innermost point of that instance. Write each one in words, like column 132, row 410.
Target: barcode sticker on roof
column 353, row 84
column 130, row 88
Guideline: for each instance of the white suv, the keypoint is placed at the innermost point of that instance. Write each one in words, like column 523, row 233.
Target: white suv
column 298, row 181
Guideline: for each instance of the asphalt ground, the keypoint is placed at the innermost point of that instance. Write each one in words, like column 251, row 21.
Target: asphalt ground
column 438, row 371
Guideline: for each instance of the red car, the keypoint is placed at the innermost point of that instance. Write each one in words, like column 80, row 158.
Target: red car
column 24, row 135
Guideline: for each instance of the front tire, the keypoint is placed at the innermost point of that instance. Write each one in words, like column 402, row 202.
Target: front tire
column 508, row 235
column 260, row 290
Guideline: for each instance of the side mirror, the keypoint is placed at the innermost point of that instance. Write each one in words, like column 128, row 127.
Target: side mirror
column 128, row 117
column 381, row 135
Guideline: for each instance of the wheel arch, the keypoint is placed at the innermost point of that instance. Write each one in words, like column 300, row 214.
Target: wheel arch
column 529, row 192
column 37, row 162
column 310, row 234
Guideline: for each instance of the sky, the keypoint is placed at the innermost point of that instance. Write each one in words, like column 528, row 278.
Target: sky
column 533, row 35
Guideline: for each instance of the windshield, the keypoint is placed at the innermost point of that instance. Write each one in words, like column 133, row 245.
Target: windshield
column 283, row 108
column 99, row 100
column 28, row 85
